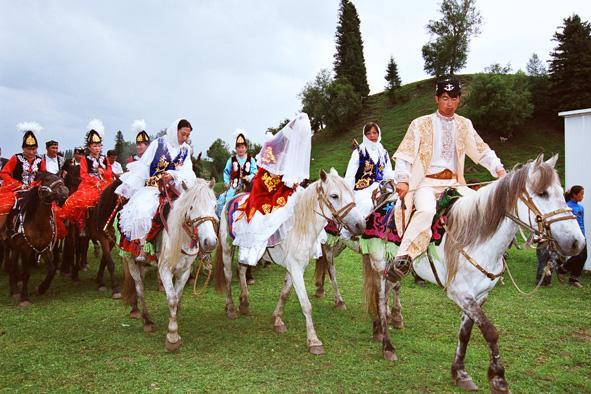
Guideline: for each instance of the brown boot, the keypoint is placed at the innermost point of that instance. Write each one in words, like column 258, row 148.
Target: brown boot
column 395, row 270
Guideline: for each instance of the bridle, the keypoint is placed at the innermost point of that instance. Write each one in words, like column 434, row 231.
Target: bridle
column 44, row 191
column 542, row 232
column 191, row 227
column 338, row 217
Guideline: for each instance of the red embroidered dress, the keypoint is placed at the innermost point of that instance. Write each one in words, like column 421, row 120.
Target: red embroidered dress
column 17, row 172
column 95, row 176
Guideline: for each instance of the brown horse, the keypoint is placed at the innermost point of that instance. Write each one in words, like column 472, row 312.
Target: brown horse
column 32, row 231
column 99, row 228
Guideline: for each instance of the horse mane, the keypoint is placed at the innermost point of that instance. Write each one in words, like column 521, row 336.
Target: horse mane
column 29, row 200
column 106, row 204
column 200, row 193
column 475, row 218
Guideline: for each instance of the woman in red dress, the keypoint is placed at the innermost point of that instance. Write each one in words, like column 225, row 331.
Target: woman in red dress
column 95, row 176
column 20, row 171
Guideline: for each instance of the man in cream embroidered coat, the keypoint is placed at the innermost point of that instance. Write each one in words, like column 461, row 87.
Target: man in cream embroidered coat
column 429, row 159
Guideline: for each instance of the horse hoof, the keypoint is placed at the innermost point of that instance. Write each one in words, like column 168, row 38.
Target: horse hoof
column 466, row 384
column 172, row 347
column 341, row 306
column 102, row 288
column 232, row 315
column 135, row 315
column 316, row 350
column 378, row 337
column 319, row 294
column 250, row 281
column 390, row 355
column 24, row 304
column 280, row 328
column 397, row 324
column 244, row 310
column 498, row 385
column 148, row 328
column 116, row 296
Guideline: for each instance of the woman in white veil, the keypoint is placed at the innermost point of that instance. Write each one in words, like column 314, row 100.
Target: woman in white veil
column 284, row 162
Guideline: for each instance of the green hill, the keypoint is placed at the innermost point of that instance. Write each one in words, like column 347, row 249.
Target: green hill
column 332, row 148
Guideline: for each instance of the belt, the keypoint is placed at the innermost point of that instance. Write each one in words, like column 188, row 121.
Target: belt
column 445, row 174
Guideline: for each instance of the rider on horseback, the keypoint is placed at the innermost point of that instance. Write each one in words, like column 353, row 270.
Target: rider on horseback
column 430, row 159
column 20, row 171
column 239, row 171
column 95, row 175
column 166, row 161
column 283, row 162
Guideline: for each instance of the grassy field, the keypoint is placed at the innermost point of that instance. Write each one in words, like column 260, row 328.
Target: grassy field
column 77, row 339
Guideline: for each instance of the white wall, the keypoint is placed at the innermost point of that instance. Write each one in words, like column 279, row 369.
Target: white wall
column 577, row 148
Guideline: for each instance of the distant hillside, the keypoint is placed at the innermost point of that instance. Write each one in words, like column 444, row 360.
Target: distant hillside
column 333, row 148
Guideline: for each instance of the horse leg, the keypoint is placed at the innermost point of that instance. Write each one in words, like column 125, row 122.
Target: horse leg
column 496, row 371
column 320, row 272
column 332, row 273
column 173, row 339
column 107, row 260
column 244, row 307
column 50, row 260
column 27, row 262
column 138, row 278
column 460, row 377
column 77, row 257
column 297, row 276
column 278, row 324
column 387, row 348
column 395, row 317
column 227, row 256
column 11, row 267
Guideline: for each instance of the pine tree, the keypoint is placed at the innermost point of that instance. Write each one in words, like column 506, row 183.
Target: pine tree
column 392, row 77
column 535, row 67
column 119, row 144
column 570, row 67
column 448, row 53
column 349, row 63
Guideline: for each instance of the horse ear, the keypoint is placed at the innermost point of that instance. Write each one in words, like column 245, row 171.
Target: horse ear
column 212, row 183
column 323, row 175
column 552, row 161
column 333, row 172
column 539, row 160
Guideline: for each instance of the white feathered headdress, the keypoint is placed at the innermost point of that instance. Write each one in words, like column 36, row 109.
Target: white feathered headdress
column 29, row 126
column 96, row 125
column 138, row 125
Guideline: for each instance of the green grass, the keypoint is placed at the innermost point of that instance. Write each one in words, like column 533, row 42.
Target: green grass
column 333, row 148
column 77, row 339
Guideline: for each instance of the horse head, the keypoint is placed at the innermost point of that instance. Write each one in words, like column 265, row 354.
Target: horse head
column 52, row 188
column 200, row 220
column 543, row 205
column 337, row 202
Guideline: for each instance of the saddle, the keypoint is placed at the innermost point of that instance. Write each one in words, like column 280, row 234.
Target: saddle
column 381, row 224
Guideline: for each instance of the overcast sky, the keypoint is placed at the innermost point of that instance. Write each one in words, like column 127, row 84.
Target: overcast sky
column 221, row 64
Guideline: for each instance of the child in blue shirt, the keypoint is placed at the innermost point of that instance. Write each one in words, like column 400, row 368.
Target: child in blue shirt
column 575, row 264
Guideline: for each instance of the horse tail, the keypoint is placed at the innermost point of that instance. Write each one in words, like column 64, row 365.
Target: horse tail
column 371, row 283
column 128, row 294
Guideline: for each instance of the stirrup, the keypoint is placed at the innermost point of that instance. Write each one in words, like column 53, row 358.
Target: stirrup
column 397, row 269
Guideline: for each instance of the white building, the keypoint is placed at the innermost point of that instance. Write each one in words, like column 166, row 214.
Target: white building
column 577, row 150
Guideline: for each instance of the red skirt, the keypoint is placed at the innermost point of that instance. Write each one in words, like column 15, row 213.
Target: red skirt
column 87, row 196
column 268, row 192
column 60, row 227
column 7, row 197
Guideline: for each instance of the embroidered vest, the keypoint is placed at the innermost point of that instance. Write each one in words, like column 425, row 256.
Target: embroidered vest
column 237, row 171
column 24, row 171
column 93, row 165
column 369, row 172
column 162, row 162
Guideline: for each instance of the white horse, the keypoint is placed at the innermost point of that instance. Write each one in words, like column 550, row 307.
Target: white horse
column 328, row 198
column 191, row 233
column 480, row 229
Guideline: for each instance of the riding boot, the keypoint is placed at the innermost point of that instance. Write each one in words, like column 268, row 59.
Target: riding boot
column 397, row 269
